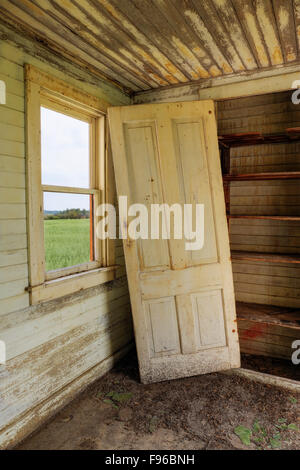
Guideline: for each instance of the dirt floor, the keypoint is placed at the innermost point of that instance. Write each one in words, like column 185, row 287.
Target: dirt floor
column 203, row 412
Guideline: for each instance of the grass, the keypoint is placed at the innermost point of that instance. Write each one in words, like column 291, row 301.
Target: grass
column 67, row 242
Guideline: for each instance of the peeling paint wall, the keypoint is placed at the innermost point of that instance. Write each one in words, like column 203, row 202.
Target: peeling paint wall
column 56, row 348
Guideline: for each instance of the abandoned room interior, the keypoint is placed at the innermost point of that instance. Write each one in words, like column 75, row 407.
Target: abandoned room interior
column 162, row 101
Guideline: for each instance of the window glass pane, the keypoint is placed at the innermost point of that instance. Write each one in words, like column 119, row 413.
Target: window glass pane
column 67, row 230
column 65, row 150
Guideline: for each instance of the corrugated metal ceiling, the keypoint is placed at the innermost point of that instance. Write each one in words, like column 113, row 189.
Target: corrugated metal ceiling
column 147, row 44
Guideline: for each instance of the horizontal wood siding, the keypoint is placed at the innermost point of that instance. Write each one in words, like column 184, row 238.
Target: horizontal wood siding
column 264, row 282
column 13, row 241
column 50, row 347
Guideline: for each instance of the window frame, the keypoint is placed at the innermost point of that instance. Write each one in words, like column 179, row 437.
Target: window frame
column 96, row 168
column 46, row 91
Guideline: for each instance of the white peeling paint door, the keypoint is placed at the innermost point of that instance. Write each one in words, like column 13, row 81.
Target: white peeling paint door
column 182, row 301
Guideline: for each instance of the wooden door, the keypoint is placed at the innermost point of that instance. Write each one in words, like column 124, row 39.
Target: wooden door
column 182, row 301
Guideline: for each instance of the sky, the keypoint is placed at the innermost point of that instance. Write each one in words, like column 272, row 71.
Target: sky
column 65, row 159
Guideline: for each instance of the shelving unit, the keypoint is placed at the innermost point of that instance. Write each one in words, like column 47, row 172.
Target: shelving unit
column 257, row 320
column 228, row 141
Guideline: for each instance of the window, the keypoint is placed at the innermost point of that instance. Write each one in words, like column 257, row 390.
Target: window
column 69, row 190
column 67, row 173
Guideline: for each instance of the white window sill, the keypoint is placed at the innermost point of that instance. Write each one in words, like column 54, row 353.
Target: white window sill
column 69, row 284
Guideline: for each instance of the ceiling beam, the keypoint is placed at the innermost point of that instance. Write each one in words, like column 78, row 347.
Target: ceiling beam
column 234, row 86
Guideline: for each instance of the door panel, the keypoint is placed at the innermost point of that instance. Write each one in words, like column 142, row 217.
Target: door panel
column 189, row 140
column 140, row 141
column 162, row 321
column 209, row 319
column 182, row 301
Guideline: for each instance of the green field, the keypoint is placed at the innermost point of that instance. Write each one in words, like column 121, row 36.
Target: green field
column 67, row 242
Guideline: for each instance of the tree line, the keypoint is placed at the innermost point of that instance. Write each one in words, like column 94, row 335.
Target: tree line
column 68, row 214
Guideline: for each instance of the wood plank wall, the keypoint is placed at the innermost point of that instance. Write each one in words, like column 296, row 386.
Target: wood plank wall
column 56, row 348
column 266, row 283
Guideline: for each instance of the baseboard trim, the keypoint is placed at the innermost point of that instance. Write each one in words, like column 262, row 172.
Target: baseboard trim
column 276, row 381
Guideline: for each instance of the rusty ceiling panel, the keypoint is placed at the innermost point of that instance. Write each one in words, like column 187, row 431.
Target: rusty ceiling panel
column 148, row 44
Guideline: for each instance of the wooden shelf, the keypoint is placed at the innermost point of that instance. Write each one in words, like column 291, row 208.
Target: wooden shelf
column 268, row 330
column 283, row 316
column 267, row 257
column 267, row 217
column 256, row 138
column 284, row 175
